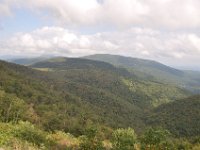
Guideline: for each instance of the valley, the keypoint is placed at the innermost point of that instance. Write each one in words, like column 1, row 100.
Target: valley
column 73, row 95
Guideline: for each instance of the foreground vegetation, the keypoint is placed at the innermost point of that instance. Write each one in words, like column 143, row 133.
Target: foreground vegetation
column 25, row 135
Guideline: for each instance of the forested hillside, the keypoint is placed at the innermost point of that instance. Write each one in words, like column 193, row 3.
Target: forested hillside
column 78, row 88
column 152, row 70
column 83, row 97
column 180, row 117
column 52, row 109
column 112, row 79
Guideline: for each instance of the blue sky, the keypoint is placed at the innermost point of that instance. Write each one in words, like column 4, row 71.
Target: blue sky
column 160, row 30
column 22, row 20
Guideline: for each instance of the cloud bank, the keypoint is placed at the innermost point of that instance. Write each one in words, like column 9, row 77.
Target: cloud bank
column 135, row 42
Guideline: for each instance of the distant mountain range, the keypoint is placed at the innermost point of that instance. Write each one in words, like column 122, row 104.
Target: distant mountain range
column 148, row 69
column 142, row 68
column 28, row 61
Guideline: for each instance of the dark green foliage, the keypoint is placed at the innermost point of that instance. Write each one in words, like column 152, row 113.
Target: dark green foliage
column 91, row 140
column 155, row 139
column 182, row 144
column 180, row 117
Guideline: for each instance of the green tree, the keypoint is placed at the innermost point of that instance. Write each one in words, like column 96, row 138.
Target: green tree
column 91, row 140
column 154, row 139
column 124, row 139
column 12, row 109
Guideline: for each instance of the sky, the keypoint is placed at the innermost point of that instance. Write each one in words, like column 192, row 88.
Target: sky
column 167, row 31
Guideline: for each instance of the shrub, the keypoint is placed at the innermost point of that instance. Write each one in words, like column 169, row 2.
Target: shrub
column 28, row 132
column 124, row 139
column 91, row 141
column 155, row 139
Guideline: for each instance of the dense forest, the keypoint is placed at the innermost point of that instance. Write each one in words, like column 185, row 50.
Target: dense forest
column 89, row 104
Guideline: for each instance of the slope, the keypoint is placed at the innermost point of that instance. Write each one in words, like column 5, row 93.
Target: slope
column 104, row 76
column 152, row 70
column 181, row 117
column 49, row 108
column 60, row 104
column 72, row 94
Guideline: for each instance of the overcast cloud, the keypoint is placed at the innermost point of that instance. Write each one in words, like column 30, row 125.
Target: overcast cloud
column 151, row 13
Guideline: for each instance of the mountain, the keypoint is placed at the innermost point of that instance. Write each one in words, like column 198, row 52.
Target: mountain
column 49, row 108
column 75, row 95
column 69, row 100
column 152, row 70
column 179, row 117
column 27, row 61
column 142, row 65
column 104, row 75
column 75, row 89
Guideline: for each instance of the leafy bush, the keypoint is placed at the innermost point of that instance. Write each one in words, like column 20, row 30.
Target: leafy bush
column 5, row 133
column 91, row 141
column 183, row 144
column 28, row 132
column 155, row 139
column 12, row 109
column 9, row 138
column 124, row 139
column 63, row 140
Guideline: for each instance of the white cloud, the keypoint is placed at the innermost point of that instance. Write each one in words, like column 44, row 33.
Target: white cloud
column 135, row 42
column 195, row 41
column 4, row 10
column 73, row 12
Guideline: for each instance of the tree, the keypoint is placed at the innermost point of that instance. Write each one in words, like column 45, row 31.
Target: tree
column 12, row 109
column 91, row 140
column 153, row 139
column 124, row 139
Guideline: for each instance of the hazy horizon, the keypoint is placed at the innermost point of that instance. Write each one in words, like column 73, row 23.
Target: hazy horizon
column 12, row 58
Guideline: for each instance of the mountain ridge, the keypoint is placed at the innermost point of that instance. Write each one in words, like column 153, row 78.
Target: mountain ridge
column 153, row 70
